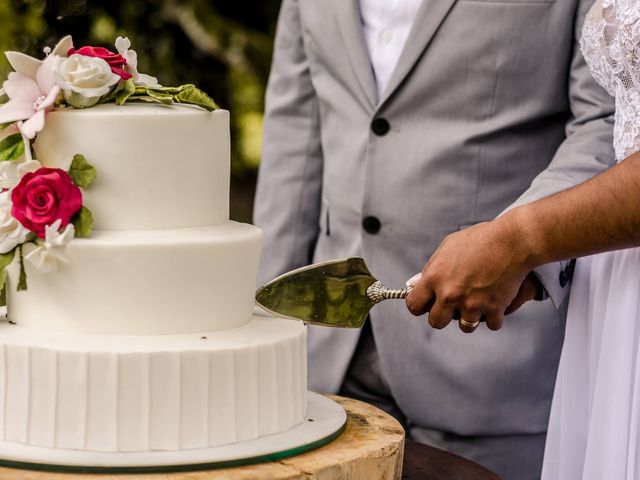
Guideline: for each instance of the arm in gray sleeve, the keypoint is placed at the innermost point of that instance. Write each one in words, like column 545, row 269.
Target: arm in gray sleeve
column 287, row 203
column 587, row 151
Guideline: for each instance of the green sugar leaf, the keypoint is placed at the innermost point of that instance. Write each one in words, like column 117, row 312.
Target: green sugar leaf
column 82, row 172
column 5, row 260
column 4, row 126
column 195, row 96
column 109, row 97
column 11, row 148
column 83, row 223
column 171, row 90
column 165, row 98
column 128, row 89
column 22, row 282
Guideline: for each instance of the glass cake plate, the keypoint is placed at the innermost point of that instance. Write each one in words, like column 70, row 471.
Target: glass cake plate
column 324, row 422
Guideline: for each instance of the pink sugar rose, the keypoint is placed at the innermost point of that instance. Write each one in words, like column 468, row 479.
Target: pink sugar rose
column 115, row 60
column 44, row 196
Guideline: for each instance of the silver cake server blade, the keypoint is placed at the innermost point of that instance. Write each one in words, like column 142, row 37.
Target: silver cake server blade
column 337, row 293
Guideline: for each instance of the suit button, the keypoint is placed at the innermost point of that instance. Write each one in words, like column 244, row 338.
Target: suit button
column 380, row 126
column 371, row 225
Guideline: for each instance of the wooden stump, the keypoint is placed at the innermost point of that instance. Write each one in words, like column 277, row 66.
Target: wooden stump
column 371, row 448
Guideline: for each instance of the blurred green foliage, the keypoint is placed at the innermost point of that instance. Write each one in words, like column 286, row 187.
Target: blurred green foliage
column 224, row 47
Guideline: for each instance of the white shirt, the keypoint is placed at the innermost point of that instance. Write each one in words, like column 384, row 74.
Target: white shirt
column 386, row 25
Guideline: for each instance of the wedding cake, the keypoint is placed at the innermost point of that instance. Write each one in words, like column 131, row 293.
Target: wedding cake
column 130, row 293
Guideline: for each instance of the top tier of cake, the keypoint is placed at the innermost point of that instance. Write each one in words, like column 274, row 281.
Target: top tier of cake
column 158, row 166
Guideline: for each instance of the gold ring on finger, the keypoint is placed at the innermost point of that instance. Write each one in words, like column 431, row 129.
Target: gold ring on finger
column 464, row 323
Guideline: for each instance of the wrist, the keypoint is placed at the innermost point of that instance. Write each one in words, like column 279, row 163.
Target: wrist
column 523, row 232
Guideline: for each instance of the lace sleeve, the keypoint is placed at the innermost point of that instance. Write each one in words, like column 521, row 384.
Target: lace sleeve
column 611, row 46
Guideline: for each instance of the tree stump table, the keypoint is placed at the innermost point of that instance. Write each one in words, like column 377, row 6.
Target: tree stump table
column 371, row 447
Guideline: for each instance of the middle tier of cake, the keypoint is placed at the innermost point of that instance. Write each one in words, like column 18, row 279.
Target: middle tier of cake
column 149, row 282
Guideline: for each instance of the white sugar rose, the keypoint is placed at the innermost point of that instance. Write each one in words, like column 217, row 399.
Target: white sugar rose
column 12, row 172
column 12, row 232
column 84, row 79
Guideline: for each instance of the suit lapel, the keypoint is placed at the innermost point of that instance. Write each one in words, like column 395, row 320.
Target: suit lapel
column 348, row 17
column 428, row 19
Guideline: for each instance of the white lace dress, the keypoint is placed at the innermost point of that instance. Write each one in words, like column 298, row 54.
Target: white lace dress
column 594, row 430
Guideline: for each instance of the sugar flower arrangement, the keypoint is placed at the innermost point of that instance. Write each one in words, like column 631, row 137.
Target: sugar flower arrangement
column 41, row 208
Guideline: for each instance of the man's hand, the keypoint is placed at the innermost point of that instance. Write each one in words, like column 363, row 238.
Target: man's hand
column 479, row 273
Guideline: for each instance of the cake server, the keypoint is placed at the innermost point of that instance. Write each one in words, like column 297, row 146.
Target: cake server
column 337, row 293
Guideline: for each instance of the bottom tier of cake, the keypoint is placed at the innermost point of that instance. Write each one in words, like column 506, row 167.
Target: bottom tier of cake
column 107, row 393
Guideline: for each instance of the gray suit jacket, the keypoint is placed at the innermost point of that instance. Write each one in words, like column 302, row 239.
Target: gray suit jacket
column 487, row 96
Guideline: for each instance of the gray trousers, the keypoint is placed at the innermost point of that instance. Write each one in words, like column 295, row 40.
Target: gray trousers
column 513, row 457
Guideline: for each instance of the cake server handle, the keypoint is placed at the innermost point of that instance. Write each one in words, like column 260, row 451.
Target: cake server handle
column 376, row 292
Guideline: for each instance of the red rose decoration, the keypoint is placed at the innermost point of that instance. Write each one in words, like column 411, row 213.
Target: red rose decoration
column 44, row 196
column 115, row 60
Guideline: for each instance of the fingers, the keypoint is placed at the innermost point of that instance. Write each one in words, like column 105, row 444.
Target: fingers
column 517, row 302
column 413, row 280
column 469, row 321
column 494, row 321
column 421, row 298
column 440, row 314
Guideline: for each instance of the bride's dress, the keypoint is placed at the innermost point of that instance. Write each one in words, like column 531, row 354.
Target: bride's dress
column 594, row 430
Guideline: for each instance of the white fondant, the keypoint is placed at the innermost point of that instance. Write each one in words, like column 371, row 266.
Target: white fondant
column 158, row 166
column 3, row 381
column 268, row 411
column 328, row 419
column 222, row 398
column 111, row 393
column 164, row 409
column 247, row 403
column 102, row 402
column 145, row 282
column 107, row 361
column 17, row 394
column 194, row 400
column 133, row 389
column 71, row 400
column 43, row 399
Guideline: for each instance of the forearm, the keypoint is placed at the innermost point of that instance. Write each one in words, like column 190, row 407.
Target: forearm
column 599, row 215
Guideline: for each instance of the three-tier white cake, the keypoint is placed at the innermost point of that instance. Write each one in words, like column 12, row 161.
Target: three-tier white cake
column 145, row 340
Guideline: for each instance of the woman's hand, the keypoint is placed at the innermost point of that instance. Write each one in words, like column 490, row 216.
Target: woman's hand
column 478, row 273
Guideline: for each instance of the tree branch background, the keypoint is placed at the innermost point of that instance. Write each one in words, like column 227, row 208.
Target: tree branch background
column 224, row 47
